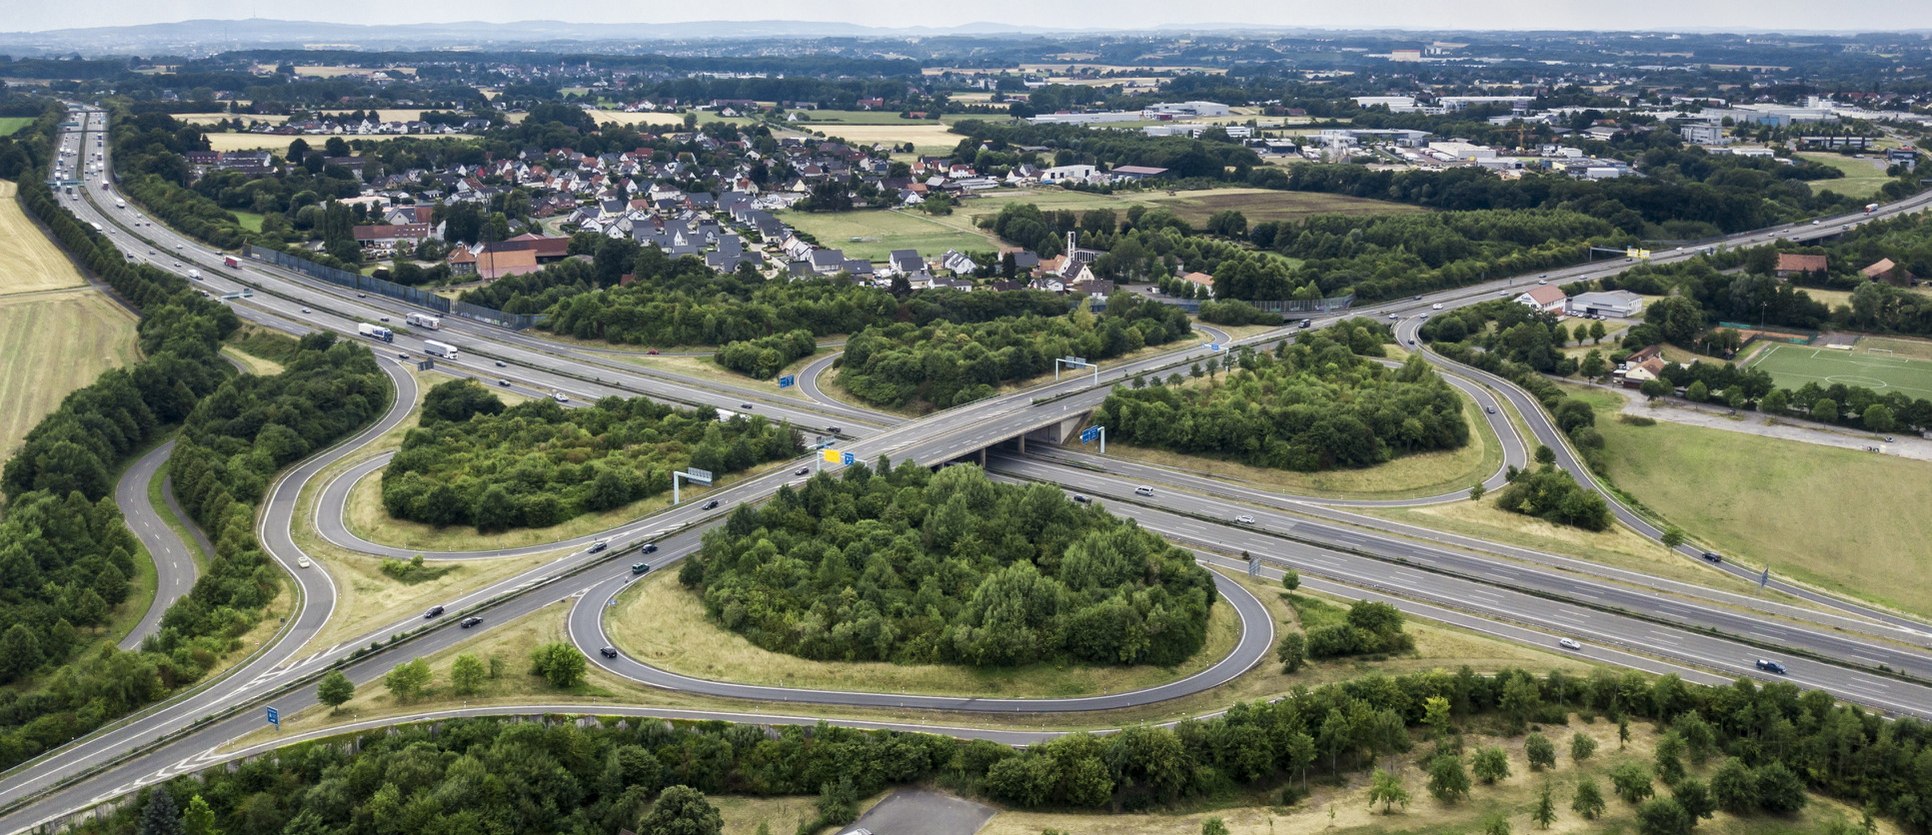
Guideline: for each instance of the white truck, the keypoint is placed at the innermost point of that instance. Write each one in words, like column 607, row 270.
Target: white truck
column 424, row 320
column 1871, row 207
column 439, row 349
column 194, row 275
column 119, row 203
column 375, row 332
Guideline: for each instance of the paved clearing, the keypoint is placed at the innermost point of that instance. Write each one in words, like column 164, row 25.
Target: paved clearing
column 924, row 812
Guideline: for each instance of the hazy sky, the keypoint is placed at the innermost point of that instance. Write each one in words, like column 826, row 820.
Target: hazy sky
column 1732, row 15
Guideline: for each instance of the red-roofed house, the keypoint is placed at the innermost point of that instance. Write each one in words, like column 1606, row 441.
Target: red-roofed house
column 1888, row 271
column 1791, row 263
column 1201, row 280
column 1545, row 298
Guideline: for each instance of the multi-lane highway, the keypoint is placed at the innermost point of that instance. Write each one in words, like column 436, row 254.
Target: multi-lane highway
column 1517, row 599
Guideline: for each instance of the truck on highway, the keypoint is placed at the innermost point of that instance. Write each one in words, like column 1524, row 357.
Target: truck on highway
column 375, row 332
column 105, row 185
column 194, row 275
column 439, row 349
column 424, row 320
column 1871, row 207
column 119, row 203
column 97, row 225
column 243, row 293
column 231, row 261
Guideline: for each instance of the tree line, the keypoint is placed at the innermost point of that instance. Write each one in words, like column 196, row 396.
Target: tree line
column 475, row 462
column 910, row 566
column 1764, row 745
column 1315, row 404
column 944, row 364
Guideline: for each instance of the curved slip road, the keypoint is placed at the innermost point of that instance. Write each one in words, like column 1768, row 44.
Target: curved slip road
column 587, row 632
column 174, row 561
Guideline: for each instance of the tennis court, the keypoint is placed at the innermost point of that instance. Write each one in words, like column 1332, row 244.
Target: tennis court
column 1883, row 371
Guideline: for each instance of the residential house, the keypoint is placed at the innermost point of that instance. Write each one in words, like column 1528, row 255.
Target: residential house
column 958, row 262
column 1886, row 270
column 1792, row 263
column 386, row 237
column 904, row 262
column 1544, row 297
column 1203, row 283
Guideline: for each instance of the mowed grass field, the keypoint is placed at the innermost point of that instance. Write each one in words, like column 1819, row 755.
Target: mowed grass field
column 1863, row 177
column 279, row 142
column 1884, row 370
column 874, row 233
column 56, row 333
column 1258, row 205
column 926, row 137
column 10, row 125
column 1839, row 518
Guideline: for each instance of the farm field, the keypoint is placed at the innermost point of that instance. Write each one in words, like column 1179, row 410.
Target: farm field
column 280, row 142
column 1882, row 370
column 1863, row 177
column 1258, row 205
column 54, row 342
column 1834, row 517
column 926, row 137
column 857, row 117
column 873, row 233
column 10, row 125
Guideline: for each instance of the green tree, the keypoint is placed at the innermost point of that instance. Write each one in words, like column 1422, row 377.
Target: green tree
column 1597, row 332
column 1490, row 764
column 334, row 690
column 1435, row 715
column 466, row 675
column 1673, row 537
column 1588, row 802
column 1448, row 781
column 19, row 652
column 1679, row 319
column 1695, row 797
column 1497, row 824
column 1593, row 366
column 1545, row 455
column 1878, row 417
column 1663, row 816
column 198, row 818
column 1734, row 787
column 160, row 816
column 1631, row 782
column 408, row 680
column 1545, row 812
column 560, row 664
column 1214, row 826
column 681, row 810
column 1476, row 492
column 1291, row 579
column 1825, row 409
column 1780, row 790
column 1540, row 752
column 1775, row 403
column 1292, row 651
column 1582, row 746
column 1386, row 788
column 1623, row 732
column 1697, row 392
column 1669, row 758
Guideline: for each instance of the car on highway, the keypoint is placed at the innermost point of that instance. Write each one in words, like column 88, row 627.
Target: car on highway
column 649, row 548
column 608, row 652
column 1082, row 498
column 1770, row 666
column 652, row 352
column 1395, row 316
column 470, row 621
column 640, row 567
column 177, row 246
column 1143, row 490
column 1569, row 643
column 561, row 397
column 1244, row 519
column 302, row 562
column 433, row 612
column 1490, row 409
column 502, row 382
column 1305, row 323
column 499, row 364
column 832, row 430
column 802, row 471
column 383, row 319
column 401, row 355
column 745, row 406
column 710, row 505
column 1712, row 558
column 305, row 310
column 1436, row 306
column 599, row 546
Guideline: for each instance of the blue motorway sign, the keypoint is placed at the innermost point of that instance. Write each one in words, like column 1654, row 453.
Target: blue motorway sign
column 1090, row 434
column 274, row 717
column 786, row 381
column 1214, row 347
column 848, row 459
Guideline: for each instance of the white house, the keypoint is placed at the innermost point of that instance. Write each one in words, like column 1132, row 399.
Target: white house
column 1543, row 297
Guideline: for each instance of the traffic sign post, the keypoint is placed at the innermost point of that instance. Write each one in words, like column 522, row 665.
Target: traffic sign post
column 848, row 459
column 1215, row 348
column 1254, row 566
column 275, row 718
column 1093, row 433
column 693, row 475
column 786, row 381
column 1078, row 362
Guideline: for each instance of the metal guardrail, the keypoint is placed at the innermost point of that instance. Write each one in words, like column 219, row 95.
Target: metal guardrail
column 401, row 292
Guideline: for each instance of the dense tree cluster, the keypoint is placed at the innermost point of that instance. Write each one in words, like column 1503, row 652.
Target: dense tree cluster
column 1549, row 493
column 1313, row 405
column 765, row 356
column 906, row 565
column 1369, row 628
column 1771, row 743
column 944, row 364
column 474, row 462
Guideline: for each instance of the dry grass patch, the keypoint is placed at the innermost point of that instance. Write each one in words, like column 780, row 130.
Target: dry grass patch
column 52, row 343
column 367, row 599
column 1425, row 474
column 280, row 142
column 658, row 621
column 29, row 260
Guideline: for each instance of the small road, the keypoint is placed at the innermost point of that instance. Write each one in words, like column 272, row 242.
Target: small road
column 174, row 561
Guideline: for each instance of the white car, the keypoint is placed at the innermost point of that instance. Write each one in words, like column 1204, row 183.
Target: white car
column 1244, row 519
column 561, row 398
column 302, row 562
column 305, row 310
column 1569, row 643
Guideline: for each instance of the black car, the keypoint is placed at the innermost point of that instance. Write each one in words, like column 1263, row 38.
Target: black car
column 711, row 505
column 745, row 406
column 1081, row 498
column 802, row 471
column 1306, row 322
column 608, row 652
column 640, row 567
column 1770, row 666
column 1712, row 558
column 433, row 612
column 649, row 548
column 599, row 546
column 471, row 621
column 832, row 430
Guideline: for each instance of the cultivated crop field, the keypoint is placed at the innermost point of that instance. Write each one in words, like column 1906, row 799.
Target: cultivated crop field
column 1879, row 368
column 279, row 142
column 56, row 333
column 926, row 137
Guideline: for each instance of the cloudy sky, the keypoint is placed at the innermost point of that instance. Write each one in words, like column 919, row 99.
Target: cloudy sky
column 1729, row 15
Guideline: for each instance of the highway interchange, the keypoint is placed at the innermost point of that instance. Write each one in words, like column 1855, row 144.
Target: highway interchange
column 1625, row 617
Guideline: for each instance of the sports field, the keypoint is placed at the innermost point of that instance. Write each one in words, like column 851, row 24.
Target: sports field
column 1873, row 364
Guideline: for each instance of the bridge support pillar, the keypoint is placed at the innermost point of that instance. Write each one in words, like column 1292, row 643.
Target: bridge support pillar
column 1022, row 444
column 982, row 458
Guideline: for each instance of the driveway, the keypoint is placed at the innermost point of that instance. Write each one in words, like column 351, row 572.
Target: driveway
column 922, row 812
